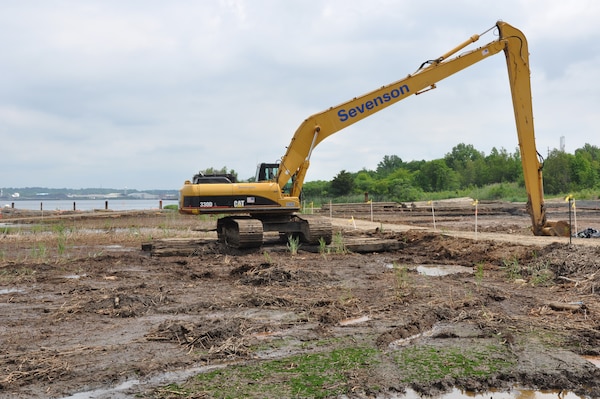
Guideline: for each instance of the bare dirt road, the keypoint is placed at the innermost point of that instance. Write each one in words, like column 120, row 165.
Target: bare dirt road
column 84, row 309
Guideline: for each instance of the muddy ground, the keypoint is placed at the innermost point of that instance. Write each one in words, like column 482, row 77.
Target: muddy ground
column 83, row 308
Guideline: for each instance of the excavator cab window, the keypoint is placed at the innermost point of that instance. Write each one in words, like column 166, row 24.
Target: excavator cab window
column 267, row 171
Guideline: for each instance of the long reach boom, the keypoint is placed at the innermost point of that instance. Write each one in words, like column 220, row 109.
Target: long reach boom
column 274, row 198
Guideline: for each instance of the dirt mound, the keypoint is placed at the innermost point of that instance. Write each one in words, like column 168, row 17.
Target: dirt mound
column 217, row 338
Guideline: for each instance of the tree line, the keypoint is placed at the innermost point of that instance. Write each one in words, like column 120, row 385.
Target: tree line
column 460, row 171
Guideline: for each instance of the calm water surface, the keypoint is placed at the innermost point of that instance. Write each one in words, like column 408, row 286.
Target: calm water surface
column 86, row 205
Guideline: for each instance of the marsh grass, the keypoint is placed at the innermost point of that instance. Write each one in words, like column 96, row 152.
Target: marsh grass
column 314, row 375
column 293, row 244
column 512, row 269
column 338, row 245
column 60, row 241
column 401, row 281
column 429, row 363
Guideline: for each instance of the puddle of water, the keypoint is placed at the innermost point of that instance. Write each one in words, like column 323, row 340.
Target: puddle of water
column 11, row 291
column 442, row 270
column 516, row 393
column 120, row 391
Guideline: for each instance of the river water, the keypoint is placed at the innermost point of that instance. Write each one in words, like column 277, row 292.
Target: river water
column 116, row 204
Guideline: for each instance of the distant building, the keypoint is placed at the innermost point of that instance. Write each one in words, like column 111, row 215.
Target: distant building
column 147, row 196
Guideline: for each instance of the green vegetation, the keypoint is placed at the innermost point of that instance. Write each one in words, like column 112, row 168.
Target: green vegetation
column 430, row 364
column 540, row 274
column 329, row 373
column 322, row 246
column 315, row 375
column 536, row 273
column 512, row 269
column 479, row 273
column 39, row 251
column 463, row 172
column 21, row 274
column 402, row 281
column 293, row 244
column 338, row 245
column 61, row 232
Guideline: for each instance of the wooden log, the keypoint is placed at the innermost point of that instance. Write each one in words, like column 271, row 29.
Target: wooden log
column 367, row 245
column 175, row 246
column 560, row 306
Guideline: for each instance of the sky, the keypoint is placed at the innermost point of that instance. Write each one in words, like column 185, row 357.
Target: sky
column 143, row 94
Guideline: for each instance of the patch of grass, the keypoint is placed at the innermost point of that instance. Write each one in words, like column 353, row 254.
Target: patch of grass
column 293, row 244
column 61, row 240
column 512, row 269
column 8, row 276
column 402, row 282
column 323, row 247
column 429, row 364
column 479, row 274
column 315, row 375
column 173, row 207
column 541, row 274
column 39, row 251
column 268, row 258
column 5, row 230
column 537, row 273
column 339, row 247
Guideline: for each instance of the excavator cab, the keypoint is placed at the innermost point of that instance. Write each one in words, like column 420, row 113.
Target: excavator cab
column 266, row 171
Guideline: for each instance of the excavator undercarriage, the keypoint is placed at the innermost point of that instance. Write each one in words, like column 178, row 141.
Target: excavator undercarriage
column 248, row 231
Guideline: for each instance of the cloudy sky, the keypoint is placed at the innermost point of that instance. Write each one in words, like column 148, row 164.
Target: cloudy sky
column 143, row 94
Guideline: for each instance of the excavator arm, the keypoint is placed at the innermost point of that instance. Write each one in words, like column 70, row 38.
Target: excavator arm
column 267, row 205
column 511, row 41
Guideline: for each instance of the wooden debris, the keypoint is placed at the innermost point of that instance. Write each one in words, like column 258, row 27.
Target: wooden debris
column 189, row 246
column 571, row 306
column 369, row 245
column 175, row 246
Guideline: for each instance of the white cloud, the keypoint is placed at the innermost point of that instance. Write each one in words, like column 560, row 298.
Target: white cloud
column 143, row 94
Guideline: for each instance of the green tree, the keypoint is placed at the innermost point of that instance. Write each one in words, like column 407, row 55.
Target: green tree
column 315, row 189
column 342, row 184
column 401, row 186
column 592, row 154
column 463, row 159
column 388, row 165
column 503, row 167
column 583, row 175
column 461, row 155
column 364, row 182
column 556, row 172
column 437, row 176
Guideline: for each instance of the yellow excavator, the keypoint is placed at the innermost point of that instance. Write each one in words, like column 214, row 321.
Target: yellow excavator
column 272, row 201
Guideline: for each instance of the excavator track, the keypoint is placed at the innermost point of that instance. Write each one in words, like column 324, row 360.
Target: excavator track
column 316, row 228
column 240, row 232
